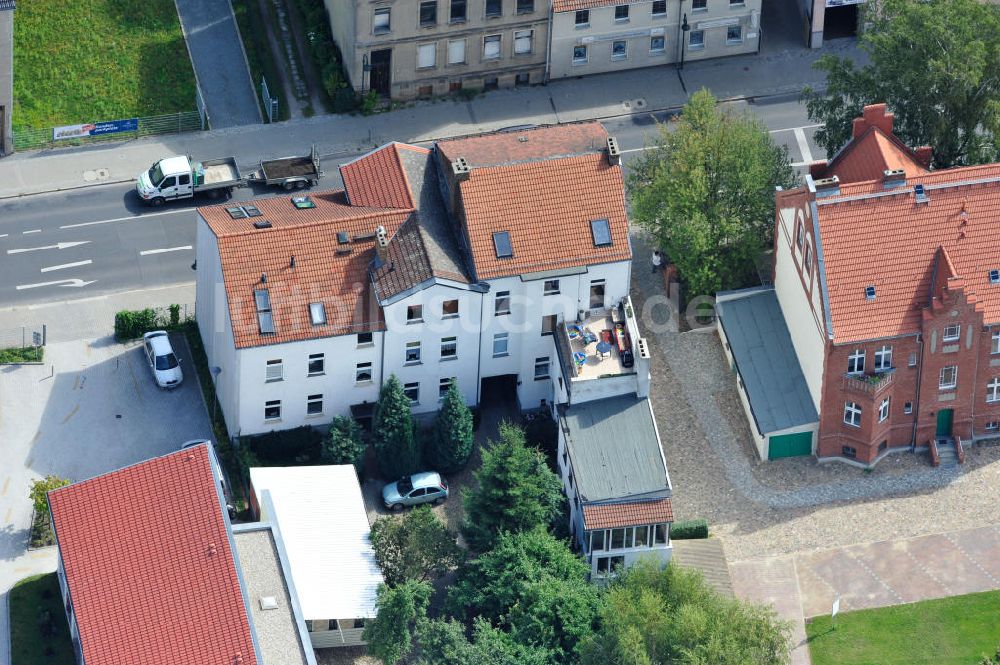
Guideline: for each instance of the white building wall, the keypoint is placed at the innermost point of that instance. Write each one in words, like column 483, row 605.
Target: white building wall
column 802, row 310
column 336, row 384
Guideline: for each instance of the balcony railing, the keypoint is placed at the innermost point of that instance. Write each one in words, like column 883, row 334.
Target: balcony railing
column 869, row 384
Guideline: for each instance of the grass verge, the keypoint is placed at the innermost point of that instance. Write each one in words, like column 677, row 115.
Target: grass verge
column 946, row 631
column 39, row 634
column 253, row 32
column 88, row 60
column 18, row 355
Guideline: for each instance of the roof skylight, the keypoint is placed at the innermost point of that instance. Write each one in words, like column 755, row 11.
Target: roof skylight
column 870, row 293
column 600, row 229
column 501, row 243
column 317, row 313
column 995, row 277
column 265, row 320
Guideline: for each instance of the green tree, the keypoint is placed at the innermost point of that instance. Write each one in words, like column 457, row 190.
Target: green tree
column 936, row 63
column 706, row 193
column 343, row 444
column 451, row 441
column 516, row 490
column 443, row 642
column 670, row 615
column 390, row 634
column 492, row 584
column 417, row 547
column 557, row 615
column 995, row 660
column 39, row 493
column 396, row 446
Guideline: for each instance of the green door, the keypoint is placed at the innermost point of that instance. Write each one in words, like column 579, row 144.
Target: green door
column 944, row 418
column 790, row 445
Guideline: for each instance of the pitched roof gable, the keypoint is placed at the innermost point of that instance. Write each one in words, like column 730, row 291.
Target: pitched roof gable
column 149, row 584
column 379, row 178
column 530, row 144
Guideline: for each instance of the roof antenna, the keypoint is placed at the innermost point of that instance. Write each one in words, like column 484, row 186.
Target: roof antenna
column 292, row 262
column 263, row 278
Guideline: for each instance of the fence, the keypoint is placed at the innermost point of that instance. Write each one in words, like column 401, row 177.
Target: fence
column 171, row 123
column 270, row 103
column 23, row 344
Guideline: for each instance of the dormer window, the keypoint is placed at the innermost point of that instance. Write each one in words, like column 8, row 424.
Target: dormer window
column 869, row 293
column 501, row 243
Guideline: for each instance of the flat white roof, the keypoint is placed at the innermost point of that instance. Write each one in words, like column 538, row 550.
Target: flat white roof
column 320, row 514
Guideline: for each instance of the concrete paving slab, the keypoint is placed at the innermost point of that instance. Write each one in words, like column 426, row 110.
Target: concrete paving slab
column 773, row 581
column 957, row 572
column 982, row 546
column 856, row 585
column 909, row 583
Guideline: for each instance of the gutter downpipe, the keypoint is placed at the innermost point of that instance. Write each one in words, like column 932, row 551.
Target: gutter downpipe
column 920, row 372
column 548, row 57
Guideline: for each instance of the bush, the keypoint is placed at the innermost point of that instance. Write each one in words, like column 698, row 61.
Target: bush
column 689, row 530
column 343, row 444
column 132, row 324
column 450, row 443
column 299, row 446
column 326, row 56
column 41, row 525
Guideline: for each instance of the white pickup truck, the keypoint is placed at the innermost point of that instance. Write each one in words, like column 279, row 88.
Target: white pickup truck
column 181, row 178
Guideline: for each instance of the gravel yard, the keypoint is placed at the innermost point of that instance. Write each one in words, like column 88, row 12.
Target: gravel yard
column 794, row 504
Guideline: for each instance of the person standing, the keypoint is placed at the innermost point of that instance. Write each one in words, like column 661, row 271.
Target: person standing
column 657, row 260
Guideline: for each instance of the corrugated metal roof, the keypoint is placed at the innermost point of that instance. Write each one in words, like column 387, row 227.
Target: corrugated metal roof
column 615, row 449
column 762, row 347
column 320, row 514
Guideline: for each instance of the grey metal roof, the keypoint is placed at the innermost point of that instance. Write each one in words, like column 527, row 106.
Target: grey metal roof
column 615, row 450
column 279, row 637
column 760, row 343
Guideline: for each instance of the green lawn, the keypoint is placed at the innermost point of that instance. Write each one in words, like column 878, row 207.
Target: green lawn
column 947, row 631
column 22, row 355
column 79, row 61
column 39, row 634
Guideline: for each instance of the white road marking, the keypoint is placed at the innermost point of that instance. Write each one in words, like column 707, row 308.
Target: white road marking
column 3, row 235
column 164, row 251
column 61, row 282
column 31, row 231
column 126, row 219
column 792, row 129
column 75, row 264
column 800, row 138
column 60, row 245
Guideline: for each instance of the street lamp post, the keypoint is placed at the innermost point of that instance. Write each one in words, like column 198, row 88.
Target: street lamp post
column 685, row 26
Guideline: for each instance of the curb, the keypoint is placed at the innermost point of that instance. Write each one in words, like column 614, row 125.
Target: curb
column 749, row 99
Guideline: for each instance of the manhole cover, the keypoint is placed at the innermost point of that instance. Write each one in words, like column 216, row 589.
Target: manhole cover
column 640, row 103
column 96, row 174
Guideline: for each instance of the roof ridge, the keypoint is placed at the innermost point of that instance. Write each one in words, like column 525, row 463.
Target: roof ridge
column 321, row 222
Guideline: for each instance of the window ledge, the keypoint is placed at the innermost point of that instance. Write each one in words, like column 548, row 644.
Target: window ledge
column 366, row 382
column 582, row 26
column 619, row 21
column 314, row 415
column 447, row 358
column 317, row 374
column 272, row 420
column 456, row 21
column 507, row 313
column 273, row 380
column 412, row 321
column 366, row 345
column 542, row 378
column 452, row 316
column 412, row 362
column 501, row 355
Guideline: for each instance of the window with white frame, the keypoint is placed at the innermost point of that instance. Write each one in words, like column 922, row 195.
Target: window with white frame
column 993, row 390
column 314, row 405
column 951, row 333
column 412, row 352
column 621, row 13
column 908, row 408
column 522, row 41
column 449, row 348
column 657, row 44
column 995, row 348
column 992, row 426
column 619, row 49
column 443, row 386
column 500, row 343
column 699, row 5
column 551, row 287
column 491, row 47
column 948, row 377
column 912, row 360
column 582, row 17
column 501, row 305
column 549, row 324
column 317, row 364
column 883, row 358
column 426, row 56
column 449, row 309
column 412, row 392
column 363, row 373
column 428, row 13
column 380, row 21
column 659, row 7
column 734, row 34
column 696, row 40
column 852, row 414
column 541, row 368
column 366, row 339
column 494, row 8
column 883, row 410
column 456, row 52
column 856, row 362
column 414, row 313
column 273, row 370
column 272, row 409
column 579, row 54
column 609, row 565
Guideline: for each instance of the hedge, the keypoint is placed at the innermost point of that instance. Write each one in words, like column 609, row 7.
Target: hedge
column 134, row 323
column 301, row 445
column 688, row 530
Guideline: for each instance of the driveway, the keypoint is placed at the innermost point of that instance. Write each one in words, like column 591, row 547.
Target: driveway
column 220, row 65
column 91, row 408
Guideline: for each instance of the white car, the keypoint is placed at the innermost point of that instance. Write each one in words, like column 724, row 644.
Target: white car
column 162, row 361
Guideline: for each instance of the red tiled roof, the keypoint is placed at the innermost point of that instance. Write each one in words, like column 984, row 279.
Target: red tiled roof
column 145, row 582
column 890, row 241
column 339, row 281
column 528, row 145
column 635, row 513
column 378, row 178
column 547, row 207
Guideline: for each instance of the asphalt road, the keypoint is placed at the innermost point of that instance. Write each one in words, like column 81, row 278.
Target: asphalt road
column 100, row 240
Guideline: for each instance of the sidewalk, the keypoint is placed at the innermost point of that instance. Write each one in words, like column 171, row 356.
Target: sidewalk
column 782, row 72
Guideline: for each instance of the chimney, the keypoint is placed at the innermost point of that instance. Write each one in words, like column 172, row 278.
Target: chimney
column 614, row 154
column 817, row 169
column 873, row 115
column 460, row 167
column 827, row 186
column 893, row 178
column 382, row 245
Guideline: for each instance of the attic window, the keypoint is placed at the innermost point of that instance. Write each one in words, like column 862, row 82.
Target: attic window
column 601, row 230
column 317, row 313
column 265, row 320
column 252, row 211
column 869, row 293
column 343, row 237
column 237, row 213
column 501, row 243
column 303, row 202
column 995, row 277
